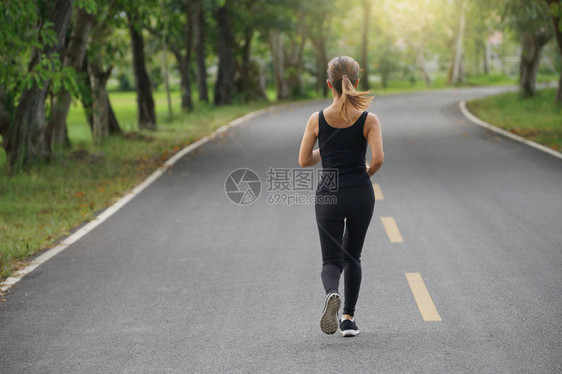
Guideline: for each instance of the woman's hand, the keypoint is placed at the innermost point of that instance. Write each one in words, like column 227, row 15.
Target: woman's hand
column 367, row 169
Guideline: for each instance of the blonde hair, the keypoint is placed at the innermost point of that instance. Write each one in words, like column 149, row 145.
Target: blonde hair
column 343, row 73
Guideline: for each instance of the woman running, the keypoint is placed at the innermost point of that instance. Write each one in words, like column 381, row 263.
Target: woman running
column 344, row 204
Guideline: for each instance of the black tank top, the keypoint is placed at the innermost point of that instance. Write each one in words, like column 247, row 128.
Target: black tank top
column 342, row 149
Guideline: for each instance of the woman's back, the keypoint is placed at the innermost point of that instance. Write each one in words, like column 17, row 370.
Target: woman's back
column 342, row 148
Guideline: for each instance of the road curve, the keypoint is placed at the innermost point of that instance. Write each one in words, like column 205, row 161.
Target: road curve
column 183, row 280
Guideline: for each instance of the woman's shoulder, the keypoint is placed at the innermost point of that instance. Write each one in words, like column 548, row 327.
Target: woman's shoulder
column 313, row 122
column 371, row 122
column 371, row 119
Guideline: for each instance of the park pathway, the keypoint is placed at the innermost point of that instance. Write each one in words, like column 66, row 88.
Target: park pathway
column 462, row 262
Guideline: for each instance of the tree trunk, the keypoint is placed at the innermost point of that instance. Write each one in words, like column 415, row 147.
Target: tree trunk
column 556, row 20
column 165, row 70
column 322, row 66
column 28, row 139
column 114, row 128
column 185, row 79
column 456, row 71
column 245, row 65
column 186, row 99
column 277, row 52
column 198, row 21
column 364, row 44
column 165, row 78
column 145, row 101
column 262, row 81
column 225, row 78
column 487, row 57
column 420, row 62
column 531, row 47
column 319, row 27
column 86, row 96
column 73, row 58
column 294, row 58
column 100, row 107
column 5, row 117
column 248, row 79
column 321, row 62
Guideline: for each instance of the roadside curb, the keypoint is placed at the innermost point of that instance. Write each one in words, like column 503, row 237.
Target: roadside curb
column 109, row 211
column 486, row 125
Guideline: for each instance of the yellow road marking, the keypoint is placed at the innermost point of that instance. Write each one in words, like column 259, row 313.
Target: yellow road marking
column 378, row 192
column 423, row 298
column 392, row 230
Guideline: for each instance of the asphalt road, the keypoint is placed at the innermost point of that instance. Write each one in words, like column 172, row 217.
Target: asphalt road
column 183, row 280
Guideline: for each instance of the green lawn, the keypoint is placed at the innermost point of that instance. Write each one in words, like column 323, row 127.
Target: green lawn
column 43, row 204
column 440, row 82
column 538, row 119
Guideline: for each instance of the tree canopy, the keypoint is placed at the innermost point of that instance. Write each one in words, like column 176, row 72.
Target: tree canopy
column 225, row 51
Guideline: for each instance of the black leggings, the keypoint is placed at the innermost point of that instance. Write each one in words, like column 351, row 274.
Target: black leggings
column 342, row 251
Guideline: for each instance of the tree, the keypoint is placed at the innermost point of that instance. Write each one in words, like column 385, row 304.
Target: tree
column 481, row 22
column 86, row 98
column 532, row 42
column 145, row 101
column 176, row 29
column 251, row 18
column 73, row 58
column 4, row 118
column 417, row 24
column 456, row 70
column 319, row 27
column 198, row 21
column 278, row 53
column 100, row 107
column 225, row 78
column 28, row 138
column 103, row 52
column 366, row 4
column 387, row 63
column 295, row 54
column 165, row 67
column 181, row 37
column 556, row 12
column 530, row 19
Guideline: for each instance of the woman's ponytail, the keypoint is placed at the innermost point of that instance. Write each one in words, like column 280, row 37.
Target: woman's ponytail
column 346, row 66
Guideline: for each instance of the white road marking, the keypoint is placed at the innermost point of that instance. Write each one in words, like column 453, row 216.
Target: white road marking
column 74, row 237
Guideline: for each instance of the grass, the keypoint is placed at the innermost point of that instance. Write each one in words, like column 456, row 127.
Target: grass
column 538, row 119
column 440, row 82
column 45, row 203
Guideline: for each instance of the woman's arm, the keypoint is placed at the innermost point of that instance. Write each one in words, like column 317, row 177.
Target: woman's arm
column 374, row 137
column 308, row 157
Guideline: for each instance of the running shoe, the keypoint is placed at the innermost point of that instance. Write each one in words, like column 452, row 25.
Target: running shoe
column 329, row 319
column 348, row 327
